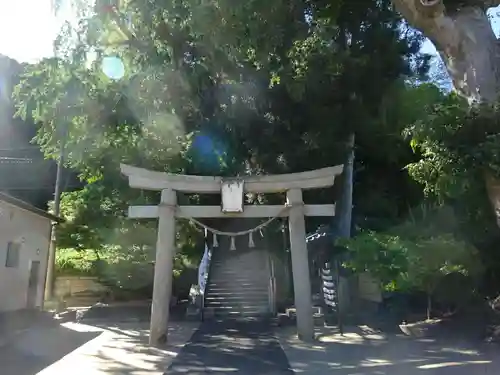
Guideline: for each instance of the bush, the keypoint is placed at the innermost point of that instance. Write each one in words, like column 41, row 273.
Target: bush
column 128, row 273
column 71, row 262
column 415, row 256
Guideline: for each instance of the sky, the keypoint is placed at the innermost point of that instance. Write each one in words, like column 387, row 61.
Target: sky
column 28, row 29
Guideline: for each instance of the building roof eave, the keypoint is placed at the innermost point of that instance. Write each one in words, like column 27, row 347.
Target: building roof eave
column 28, row 207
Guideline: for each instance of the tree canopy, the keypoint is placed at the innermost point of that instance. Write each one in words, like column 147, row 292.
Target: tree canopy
column 225, row 88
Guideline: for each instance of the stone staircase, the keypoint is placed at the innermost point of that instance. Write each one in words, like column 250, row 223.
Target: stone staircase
column 238, row 284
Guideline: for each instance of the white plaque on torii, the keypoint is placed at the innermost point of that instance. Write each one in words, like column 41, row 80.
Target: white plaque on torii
column 232, row 196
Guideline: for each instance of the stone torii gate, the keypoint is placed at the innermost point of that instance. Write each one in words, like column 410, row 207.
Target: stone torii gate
column 168, row 210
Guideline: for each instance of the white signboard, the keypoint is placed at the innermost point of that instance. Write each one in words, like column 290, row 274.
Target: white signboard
column 232, row 196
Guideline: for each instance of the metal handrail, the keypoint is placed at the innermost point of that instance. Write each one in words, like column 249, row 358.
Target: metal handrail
column 207, row 283
column 272, row 294
column 272, row 286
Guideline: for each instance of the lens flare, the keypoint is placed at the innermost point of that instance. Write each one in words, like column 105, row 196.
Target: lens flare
column 113, row 67
column 208, row 153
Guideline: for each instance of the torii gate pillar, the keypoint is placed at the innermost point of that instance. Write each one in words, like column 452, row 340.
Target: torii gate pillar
column 165, row 251
column 300, row 265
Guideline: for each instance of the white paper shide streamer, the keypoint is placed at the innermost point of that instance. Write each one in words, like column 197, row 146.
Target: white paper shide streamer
column 251, row 244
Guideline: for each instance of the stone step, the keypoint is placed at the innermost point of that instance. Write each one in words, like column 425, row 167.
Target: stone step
column 232, row 254
column 239, row 308
column 253, row 273
column 262, row 302
column 256, row 303
column 247, row 301
column 249, row 274
column 235, row 286
column 228, row 264
column 239, row 262
column 228, row 309
column 253, row 277
column 235, row 291
column 252, row 312
column 234, row 297
column 238, row 284
column 249, row 260
column 242, row 301
column 213, row 313
column 242, row 279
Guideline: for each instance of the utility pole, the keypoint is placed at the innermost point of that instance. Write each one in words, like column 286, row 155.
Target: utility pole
column 344, row 224
column 51, row 266
column 345, row 214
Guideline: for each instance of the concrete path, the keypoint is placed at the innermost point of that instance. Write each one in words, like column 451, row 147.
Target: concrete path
column 232, row 346
column 73, row 348
column 236, row 347
column 362, row 351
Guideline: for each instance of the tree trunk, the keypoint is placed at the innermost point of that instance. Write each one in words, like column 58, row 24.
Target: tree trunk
column 465, row 40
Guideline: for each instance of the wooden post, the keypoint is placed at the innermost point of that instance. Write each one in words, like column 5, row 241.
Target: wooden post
column 165, row 250
column 300, row 266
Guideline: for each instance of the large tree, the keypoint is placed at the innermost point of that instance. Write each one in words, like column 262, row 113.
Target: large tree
column 462, row 33
column 189, row 97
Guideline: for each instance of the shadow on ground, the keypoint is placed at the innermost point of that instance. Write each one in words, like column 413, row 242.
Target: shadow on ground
column 39, row 347
column 363, row 351
column 122, row 349
column 232, row 346
column 125, row 350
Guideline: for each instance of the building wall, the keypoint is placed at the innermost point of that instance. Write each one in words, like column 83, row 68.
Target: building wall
column 33, row 232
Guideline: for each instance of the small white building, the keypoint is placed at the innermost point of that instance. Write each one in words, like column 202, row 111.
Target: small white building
column 24, row 244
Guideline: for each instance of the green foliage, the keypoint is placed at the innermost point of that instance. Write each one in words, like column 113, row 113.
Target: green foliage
column 458, row 144
column 71, row 262
column 122, row 270
column 456, row 141
column 383, row 255
column 274, row 88
column 130, row 269
column 415, row 255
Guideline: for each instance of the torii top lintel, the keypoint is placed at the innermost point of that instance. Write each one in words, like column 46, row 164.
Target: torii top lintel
column 141, row 178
